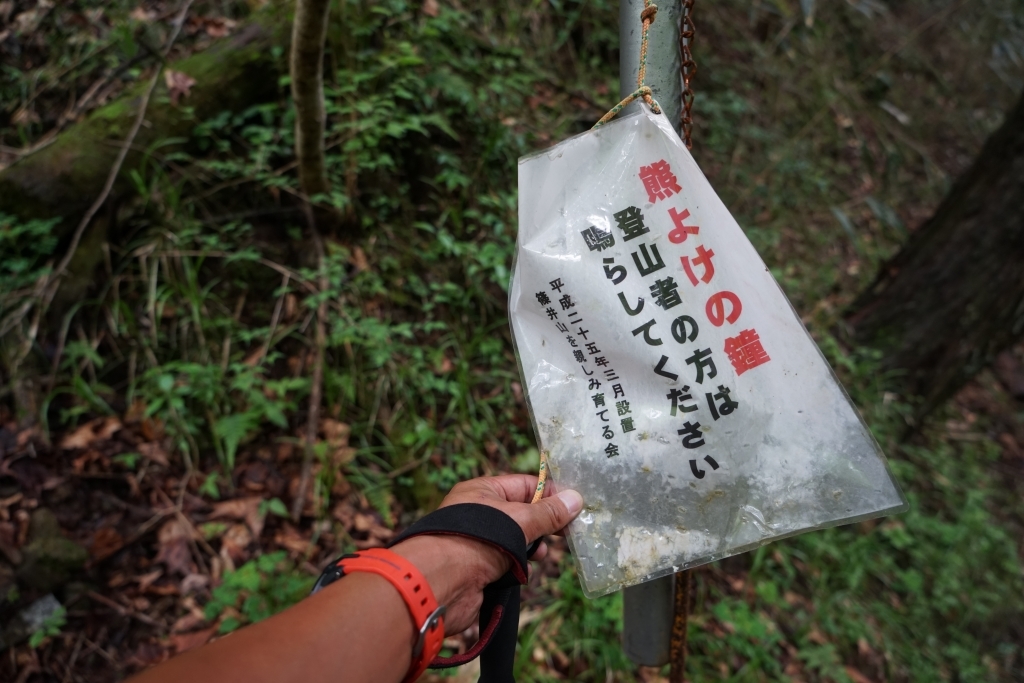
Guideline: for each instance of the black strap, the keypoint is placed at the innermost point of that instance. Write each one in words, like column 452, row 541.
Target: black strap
column 499, row 614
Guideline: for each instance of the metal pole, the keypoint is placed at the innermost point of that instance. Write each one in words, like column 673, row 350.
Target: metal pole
column 647, row 619
column 663, row 65
column 648, row 608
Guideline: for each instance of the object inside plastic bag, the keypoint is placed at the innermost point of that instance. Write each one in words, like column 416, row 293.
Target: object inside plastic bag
column 669, row 379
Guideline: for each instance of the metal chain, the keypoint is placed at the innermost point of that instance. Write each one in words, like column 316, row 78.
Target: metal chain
column 688, row 68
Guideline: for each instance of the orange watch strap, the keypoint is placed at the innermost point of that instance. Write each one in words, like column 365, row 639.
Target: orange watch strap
column 427, row 615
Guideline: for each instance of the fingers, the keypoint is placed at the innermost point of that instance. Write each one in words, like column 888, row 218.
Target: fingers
column 548, row 515
column 517, row 488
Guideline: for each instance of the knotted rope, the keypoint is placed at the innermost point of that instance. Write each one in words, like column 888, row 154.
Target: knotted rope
column 647, row 15
column 542, row 478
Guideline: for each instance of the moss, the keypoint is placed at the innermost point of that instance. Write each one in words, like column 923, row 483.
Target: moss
column 64, row 178
column 50, row 559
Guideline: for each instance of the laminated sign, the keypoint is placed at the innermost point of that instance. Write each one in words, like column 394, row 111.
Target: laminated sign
column 670, row 381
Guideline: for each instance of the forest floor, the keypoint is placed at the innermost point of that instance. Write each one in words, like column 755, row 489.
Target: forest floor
column 148, row 511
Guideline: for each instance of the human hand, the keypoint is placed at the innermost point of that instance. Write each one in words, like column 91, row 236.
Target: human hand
column 458, row 568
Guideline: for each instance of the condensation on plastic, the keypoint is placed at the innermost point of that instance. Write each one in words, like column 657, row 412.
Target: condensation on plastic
column 794, row 455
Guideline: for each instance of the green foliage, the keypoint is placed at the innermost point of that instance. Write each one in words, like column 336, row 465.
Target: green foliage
column 585, row 632
column 50, row 627
column 128, row 460
column 231, row 403
column 426, row 119
column 26, row 248
column 275, row 506
column 926, row 591
column 258, row 589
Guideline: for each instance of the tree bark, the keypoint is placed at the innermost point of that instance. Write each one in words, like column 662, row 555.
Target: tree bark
column 953, row 297
column 309, row 33
column 62, row 179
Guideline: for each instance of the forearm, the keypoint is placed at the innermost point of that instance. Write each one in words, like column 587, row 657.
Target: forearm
column 357, row 629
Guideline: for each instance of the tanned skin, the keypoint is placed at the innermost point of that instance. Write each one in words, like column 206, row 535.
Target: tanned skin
column 358, row 629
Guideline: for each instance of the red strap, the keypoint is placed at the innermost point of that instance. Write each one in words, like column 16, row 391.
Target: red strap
column 472, row 653
column 427, row 615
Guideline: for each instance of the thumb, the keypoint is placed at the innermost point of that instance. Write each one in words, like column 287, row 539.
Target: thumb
column 550, row 514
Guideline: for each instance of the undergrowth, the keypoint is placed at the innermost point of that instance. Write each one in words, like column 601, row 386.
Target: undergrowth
column 201, row 318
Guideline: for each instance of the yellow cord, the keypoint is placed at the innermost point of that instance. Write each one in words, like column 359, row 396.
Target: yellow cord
column 647, row 17
column 542, row 478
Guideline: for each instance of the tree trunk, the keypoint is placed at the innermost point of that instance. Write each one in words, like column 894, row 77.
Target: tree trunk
column 953, row 297
column 309, row 32
column 64, row 178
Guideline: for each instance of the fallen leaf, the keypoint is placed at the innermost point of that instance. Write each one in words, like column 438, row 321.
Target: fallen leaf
column 174, row 551
column 25, row 436
column 291, row 307
column 154, row 452
column 194, row 582
column 344, row 513
column 11, row 500
column 309, row 504
column 218, row 27
column 135, row 413
column 178, row 85
column 146, row 580
column 261, row 476
column 857, row 676
column 142, row 14
column 25, row 117
column 816, row 637
column 53, row 482
column 363, row 522
column 117, row 580
column 79, row 464
column 189, row 622
column 284, row 451
column 152, row 429
column 291, row 539
column 100, row 429
column 335, row 432
column 343, row 456
column 234, row 542
column 359, row 259
column 253, row 358
column 341, row 487
column 163, row 589
column 9, row 542
column 430, row 8
column 105, row 543
column 148, row 654
column 247, row 509
column 183, row 642
column 792, row 598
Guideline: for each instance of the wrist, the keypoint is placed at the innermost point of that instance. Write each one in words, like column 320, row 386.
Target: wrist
column 453, row 565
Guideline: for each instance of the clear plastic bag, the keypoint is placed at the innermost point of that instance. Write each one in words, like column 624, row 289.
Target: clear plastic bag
column 669, row 379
